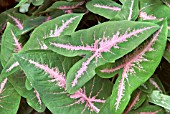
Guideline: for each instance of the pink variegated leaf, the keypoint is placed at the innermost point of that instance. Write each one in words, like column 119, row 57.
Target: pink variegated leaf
column 10, row 43
column 65, row 5
column 9, row 98
column 152, row 10
column 63, row 25
column 129, row 11
column 48, row 77
column 99, row 47
column 141, row 63
column 105, row 8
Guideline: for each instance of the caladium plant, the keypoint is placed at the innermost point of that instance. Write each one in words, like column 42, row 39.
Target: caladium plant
column 85, row 57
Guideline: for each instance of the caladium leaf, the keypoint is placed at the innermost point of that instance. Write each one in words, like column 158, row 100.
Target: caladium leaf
column 64, row 5
column 148, row 109
column 18, row 80
column 64, row 25
column 10, row 43
column 106, row 107
column 141, row 63
column 105, row 8
column 9, row 98
column 129, row 11
column 99, row 48
column 160, row 99
column 48, row 77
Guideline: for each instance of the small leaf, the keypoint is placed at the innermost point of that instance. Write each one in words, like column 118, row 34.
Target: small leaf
column 37, row 2
column 99, row 48
column 105, row 8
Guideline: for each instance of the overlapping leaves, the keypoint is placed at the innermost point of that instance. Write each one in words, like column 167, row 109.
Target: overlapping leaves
column 47, row 76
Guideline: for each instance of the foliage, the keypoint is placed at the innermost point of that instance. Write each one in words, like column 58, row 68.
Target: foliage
column 85, row 57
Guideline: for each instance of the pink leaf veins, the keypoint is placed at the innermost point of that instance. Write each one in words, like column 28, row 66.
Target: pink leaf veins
column 18, row 23
column 17, row 44
column 61, row 82
column 71, row 7
column 2, row 85
column 145, row 16
column 166, row 3
column 151, row 80
column 131, row 10
column 59, row 30
column 12, row 66
column 101, row 45
column 131, row 62
column 113, row 8
column 38, row 97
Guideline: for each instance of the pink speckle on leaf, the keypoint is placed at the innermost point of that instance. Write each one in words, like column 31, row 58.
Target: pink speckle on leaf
column 151, row 80
column 17, row 44
column 71, row 7
column 113, row 8
column 18, row 23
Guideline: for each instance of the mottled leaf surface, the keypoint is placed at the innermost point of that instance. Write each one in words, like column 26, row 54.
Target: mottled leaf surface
column 99, row 47
column 105, row 8
column 47, row 76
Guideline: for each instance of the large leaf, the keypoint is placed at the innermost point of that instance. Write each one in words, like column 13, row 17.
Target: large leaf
column 46, row 71
column 99, row 47
column 64, row 25
column 129, row 11
column 105, row 8
column 137, row 68
column 9, row 98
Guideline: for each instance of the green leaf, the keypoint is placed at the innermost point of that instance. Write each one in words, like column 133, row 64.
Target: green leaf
column 105, row 8
column 160, row 99
column 105, row 46
column 64, row 25
column 10, row 43
column 46, row 71
column 129, row 11
column 64, row 5
column 37, row 2
column 21, row 3
column 9, row 98
column 142, row 62
column 106, row 107
column 148, row 109
column 18, row 80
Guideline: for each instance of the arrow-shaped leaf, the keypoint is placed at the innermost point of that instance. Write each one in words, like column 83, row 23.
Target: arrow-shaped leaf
column 99, row 47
